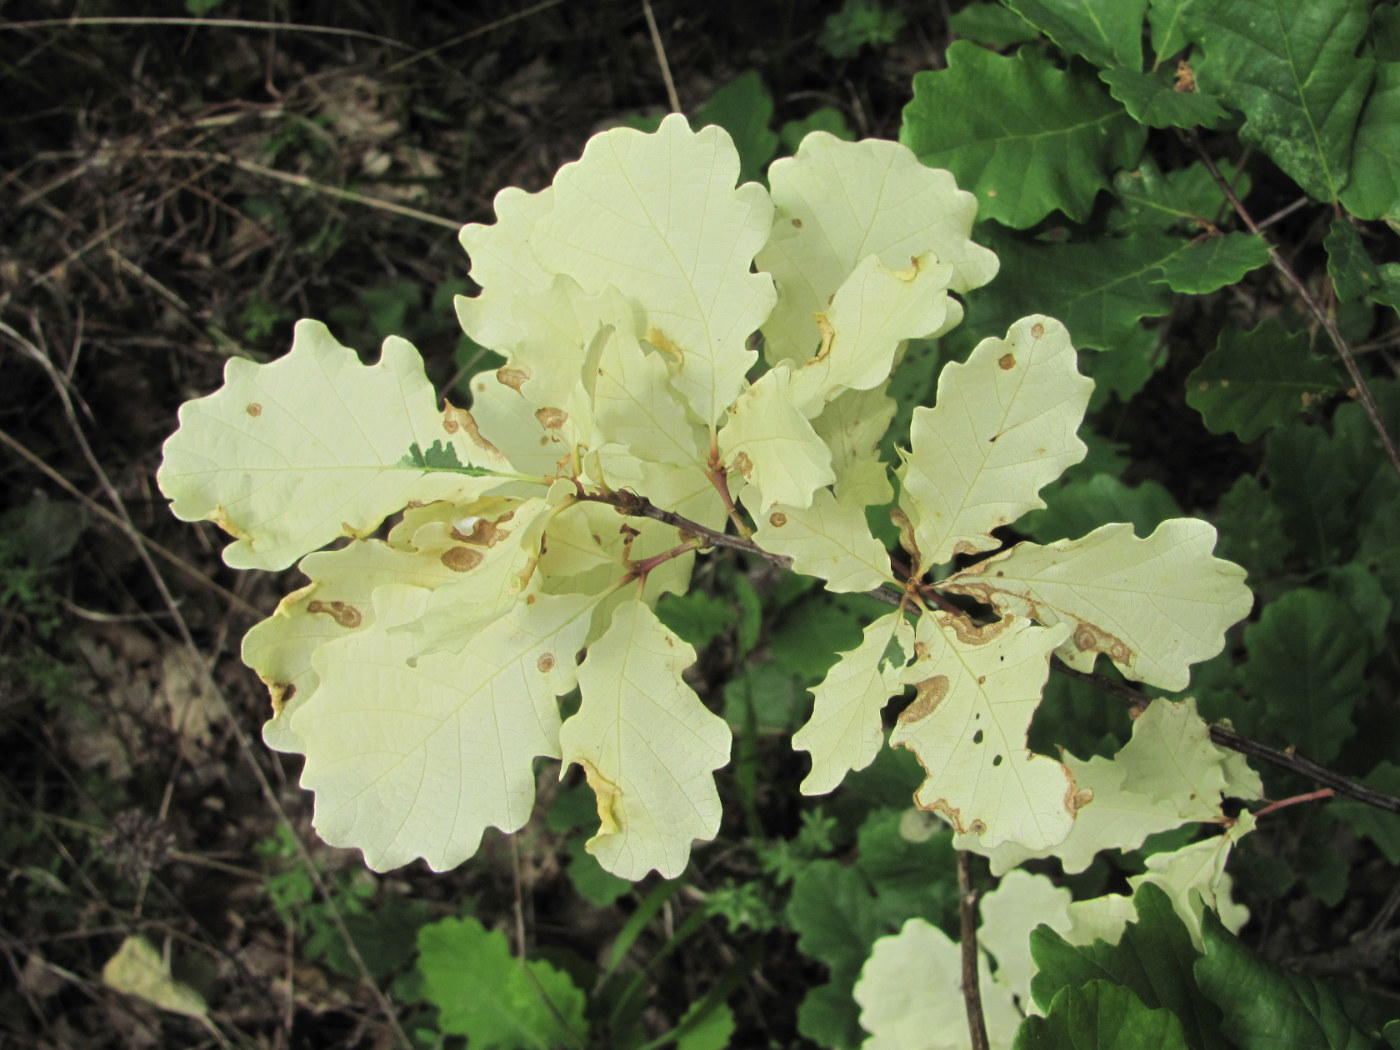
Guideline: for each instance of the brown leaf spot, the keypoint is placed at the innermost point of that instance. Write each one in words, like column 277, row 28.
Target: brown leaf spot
column 929, row 694
column 342, row 613
column 551, row 418
column 1088, row 638
column 1203, row 386
column 512, row 377
column 1080, row 798
column 254, row 409
column 484, row 533
column 743, row 464
column 1006, row 362
column 1038, row 330
column 777, row 519
column 281, row 693
column 461, row 559
column 797, row 224
column 545, row 663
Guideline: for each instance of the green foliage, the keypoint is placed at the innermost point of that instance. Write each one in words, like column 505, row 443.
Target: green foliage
column 497, row 1002
column 859, row 23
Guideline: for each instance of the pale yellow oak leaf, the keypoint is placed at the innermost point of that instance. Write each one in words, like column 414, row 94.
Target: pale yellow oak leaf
column 559, row 326
column 838, row 202
column 291, row 455
column 648, row 746
column 830, row 540
column 1004, row 426
column 416, row 755
column 659, row 217
column 337, row 602
column 488, row 580
column 1155, row 606
column 852, row 425
column 875, row 309
column 1167, row 775
column 845, row 733
column 1019, row 904
column 977, row 689
column 909, row 992
column 771, row 443
column 636, row 406
column 504, row 265
column 535, row 441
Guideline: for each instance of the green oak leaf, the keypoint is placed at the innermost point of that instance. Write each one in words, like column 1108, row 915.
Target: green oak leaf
column 1307, row 670
column 1025, row 137
column 485, row 994
column 1266, row 1007
column 1211, row 263
column 1077, row 508
column 1258, row 379
column 1373, row 191
column 1153, row 960
column 992, row 25
column 1152, row 99
column 1101, row 288
column 1380, row 827
column 1297, row 71
column 1348, row 264
column 1106, row 32
column 1101, row 1016
column 1187, row 199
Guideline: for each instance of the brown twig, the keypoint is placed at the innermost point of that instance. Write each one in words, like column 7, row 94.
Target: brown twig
column 972, row 992
column 1363, row 391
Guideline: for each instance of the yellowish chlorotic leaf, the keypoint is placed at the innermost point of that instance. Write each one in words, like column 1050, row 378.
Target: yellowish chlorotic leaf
column 488, row 580
column 1155, row 606
column 828, row 539
column 1169, row 774
column 844, row 733
column 337, row 602
column 1194, row 877
column 138, row 969
column 977, row 689
column 874, row 311
column 770, row 442
column 535, row 441
column 416, row 755
column 659, row 217
column 1019, row 904
column 910, row 995
column 558, row 328
column 636, row 406
column 852, row 425
column 1004, row 426
column 291, row 455
column 648, row 746
column 504, row 265
column 839, row 202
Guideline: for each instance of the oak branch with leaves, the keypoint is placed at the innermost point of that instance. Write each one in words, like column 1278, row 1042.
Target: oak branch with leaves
column 634, row 426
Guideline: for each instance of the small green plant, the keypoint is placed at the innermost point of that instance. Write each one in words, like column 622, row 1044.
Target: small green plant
column 859, row 23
